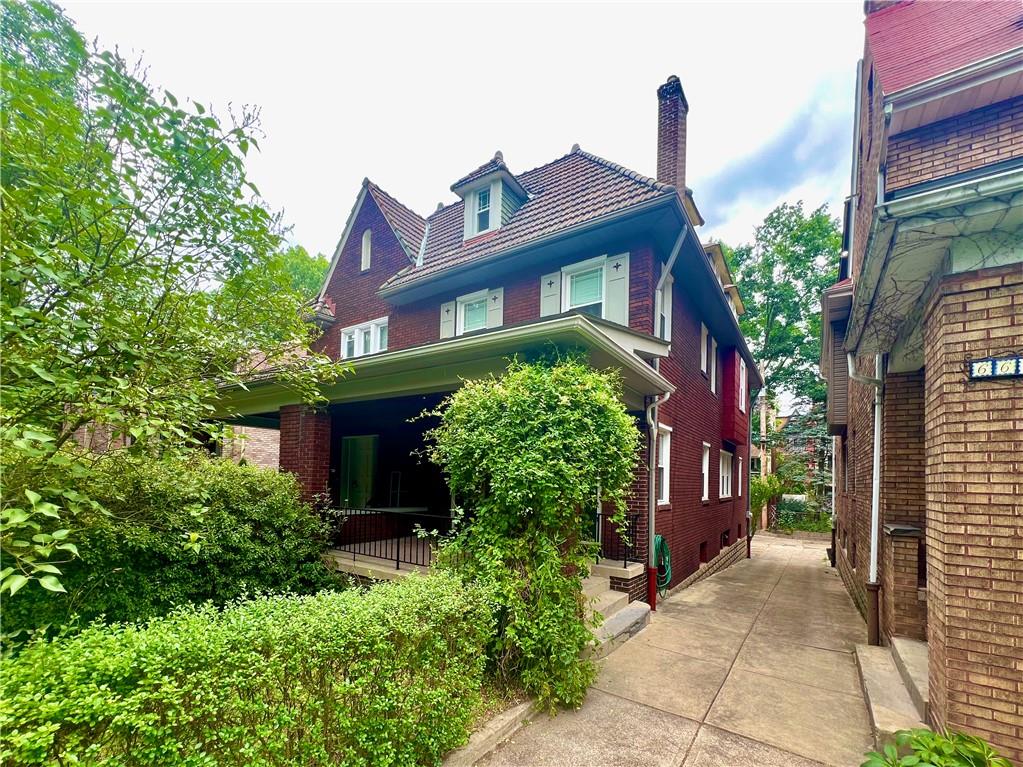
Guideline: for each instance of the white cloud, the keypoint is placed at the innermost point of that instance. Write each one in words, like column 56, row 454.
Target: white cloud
column 413, row 96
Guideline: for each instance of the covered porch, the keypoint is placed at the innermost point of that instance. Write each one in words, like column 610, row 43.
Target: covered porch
column 359, row 456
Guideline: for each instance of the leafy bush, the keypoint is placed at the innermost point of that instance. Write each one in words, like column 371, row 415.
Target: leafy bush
column 527, row 454
column 794, row 514
column 389, row 676
column 175, row 531
column 936, row 749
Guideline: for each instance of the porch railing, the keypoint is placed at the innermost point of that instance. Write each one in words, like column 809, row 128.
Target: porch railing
column 614, row 544
column 390, row 534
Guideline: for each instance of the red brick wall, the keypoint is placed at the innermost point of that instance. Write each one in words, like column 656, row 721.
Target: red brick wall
column 694, row 413
column 871, row 144
column 902, row 449
column 961, row 143
column 904, row 613
column 305, row 448
column 974, row 449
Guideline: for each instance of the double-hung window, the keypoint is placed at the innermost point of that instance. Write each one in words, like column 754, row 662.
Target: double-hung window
column 725, row 490
column 482, row 210
column 367, row 338
column 713, row 366
column 706, row 472
column 584, row 287
column 743, row 381
column 472, row 312
column 703, row 348
column 663, row 464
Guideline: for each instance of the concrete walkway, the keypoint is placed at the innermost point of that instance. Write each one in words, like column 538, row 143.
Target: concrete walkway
column 752, row 666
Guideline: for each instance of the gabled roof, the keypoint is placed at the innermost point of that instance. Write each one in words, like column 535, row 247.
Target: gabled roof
column 916, row 41
column 572, row 190
column 408, row 227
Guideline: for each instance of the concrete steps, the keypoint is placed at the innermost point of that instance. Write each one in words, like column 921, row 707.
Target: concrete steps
column 618, row 629
column 889, row 704
column 910, row 656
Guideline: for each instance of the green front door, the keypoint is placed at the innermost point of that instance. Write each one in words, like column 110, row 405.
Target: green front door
column 358, row 468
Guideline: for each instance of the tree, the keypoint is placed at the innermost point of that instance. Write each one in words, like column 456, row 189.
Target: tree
column 305, row 272
column 781, row 276
column 139, row 271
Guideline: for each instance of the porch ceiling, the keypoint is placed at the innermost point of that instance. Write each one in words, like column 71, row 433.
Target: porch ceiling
column 442, row 366
column 917, row 240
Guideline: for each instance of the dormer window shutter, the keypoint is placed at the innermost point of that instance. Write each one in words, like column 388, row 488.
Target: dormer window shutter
column 448, row 312
column 616, row 289
column 495, row 308
column 550, row 294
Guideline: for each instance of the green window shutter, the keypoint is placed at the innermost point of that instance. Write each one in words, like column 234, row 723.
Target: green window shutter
column 495, row 308
column 550, row 294
column 616, row 289
column 447, row 319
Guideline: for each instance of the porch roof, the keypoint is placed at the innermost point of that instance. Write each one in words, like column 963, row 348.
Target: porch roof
column 443, row 365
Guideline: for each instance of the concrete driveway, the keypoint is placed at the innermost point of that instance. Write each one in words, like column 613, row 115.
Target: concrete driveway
column 752, row 666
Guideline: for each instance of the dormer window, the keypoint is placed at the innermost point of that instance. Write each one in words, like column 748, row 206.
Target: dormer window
column 483, row 210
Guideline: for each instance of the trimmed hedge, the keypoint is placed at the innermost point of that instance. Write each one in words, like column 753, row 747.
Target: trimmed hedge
column 254, row 535
column 388, row 676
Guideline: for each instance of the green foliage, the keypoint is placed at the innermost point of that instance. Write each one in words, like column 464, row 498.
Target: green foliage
column 390, row 676
column 138, row 270
column 764, row 489
column 526, row 454
column 794, row 514
column 936, row 749
column 781, row 277
column 305, row 272
column 178, row 531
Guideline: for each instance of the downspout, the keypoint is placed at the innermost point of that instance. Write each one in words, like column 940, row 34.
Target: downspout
column 873, row 587
column 651, row 419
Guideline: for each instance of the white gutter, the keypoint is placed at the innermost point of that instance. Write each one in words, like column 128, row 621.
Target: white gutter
column 875, row 480
column 951, row 196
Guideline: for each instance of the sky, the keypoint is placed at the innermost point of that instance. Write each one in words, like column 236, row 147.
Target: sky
column 415, row 96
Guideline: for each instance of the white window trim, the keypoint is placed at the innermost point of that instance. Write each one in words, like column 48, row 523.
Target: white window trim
column 713, row 365
column 460, row 304
column 725, row 492
column 739, row 477
column 355, row 331
column 706, row 471
column 489, row 209
column 367, row 250
column 664, row 308
column 743, row 381
column 582, row 266
column 664, row 440
column 472, row 209
column 704, row 335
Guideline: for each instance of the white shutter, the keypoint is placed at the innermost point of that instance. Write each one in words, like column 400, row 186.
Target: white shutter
column 447, row 319
column 550, row 294
column 616, row 289
column 495, row 308
column 469, row 208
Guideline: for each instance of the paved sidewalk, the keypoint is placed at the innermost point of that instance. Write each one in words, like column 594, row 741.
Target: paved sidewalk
column 752, row 666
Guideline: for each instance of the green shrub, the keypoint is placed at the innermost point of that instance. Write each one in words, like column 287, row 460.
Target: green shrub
column 388, row 676
column 924, row 748
column 177, row 531
column 527, row 454
column 794, row 514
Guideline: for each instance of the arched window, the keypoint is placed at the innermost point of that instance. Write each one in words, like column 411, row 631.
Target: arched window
column 367, row 248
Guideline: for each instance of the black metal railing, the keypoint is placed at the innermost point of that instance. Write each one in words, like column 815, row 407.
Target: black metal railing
column 615, row 543
column 401, row 536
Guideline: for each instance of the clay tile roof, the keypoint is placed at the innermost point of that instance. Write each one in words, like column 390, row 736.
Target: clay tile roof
column 407, row 225
column 572, row 190
column 490, row 166
column 916, row 41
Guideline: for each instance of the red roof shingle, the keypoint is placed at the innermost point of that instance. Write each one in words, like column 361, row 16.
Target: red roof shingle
column 916, row 41
column 575, row 189
column 407, row 225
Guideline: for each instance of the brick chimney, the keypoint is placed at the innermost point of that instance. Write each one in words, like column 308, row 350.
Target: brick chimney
column 672, row 109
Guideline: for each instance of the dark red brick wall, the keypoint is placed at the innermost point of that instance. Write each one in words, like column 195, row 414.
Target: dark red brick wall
column 305, row 448
column 694, row 413
column 961, row 143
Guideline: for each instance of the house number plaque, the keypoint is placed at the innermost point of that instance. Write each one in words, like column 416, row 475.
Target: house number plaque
column 995, row 367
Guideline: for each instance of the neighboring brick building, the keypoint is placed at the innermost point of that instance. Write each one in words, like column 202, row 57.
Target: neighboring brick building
column 929, row 310
column 579, row 253
column 255, row 445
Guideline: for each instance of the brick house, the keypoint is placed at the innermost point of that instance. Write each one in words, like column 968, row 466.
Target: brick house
column 923, row 335
column 579, row 254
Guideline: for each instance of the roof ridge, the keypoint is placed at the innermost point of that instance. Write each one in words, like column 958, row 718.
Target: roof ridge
column 376, row 187
column 398, row 227
column 627, row 172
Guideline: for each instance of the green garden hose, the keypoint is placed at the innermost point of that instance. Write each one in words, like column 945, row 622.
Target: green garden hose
column 662, row 556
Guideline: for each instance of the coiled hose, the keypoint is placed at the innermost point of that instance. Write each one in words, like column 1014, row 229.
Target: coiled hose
column 662, row 556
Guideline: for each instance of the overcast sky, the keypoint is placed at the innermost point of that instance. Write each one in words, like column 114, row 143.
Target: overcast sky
column 415, row 96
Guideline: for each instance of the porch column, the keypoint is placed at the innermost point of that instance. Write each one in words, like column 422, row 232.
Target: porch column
column 974, row 507
column 305, row 449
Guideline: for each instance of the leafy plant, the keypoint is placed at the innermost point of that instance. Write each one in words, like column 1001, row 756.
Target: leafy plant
column 389, row 676
column 177, row 530
column 936, row 749
column 526, row 454
column 139, row 269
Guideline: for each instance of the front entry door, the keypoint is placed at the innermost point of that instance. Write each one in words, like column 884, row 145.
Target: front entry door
column 358, row 468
